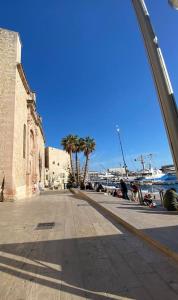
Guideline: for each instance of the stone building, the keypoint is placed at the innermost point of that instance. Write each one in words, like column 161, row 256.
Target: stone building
column 57, row 164
column 21, row 134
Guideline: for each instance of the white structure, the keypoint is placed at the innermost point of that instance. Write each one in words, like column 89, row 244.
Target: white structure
column 117, row 171
column 57, row 164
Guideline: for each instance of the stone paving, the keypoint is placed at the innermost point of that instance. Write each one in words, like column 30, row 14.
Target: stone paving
column 84, row 256
column 157, row 223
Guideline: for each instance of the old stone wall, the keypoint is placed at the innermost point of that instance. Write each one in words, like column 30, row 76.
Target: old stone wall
column 41, row 156
column 35, row 152
column 20, row 119
column 9, row 57
column 21, row 138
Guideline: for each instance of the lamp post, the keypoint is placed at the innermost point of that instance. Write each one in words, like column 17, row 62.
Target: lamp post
column 160, row 75
column 125, row 166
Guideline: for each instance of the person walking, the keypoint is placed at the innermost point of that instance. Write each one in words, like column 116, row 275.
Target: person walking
column 134, row 190
column 124, row 189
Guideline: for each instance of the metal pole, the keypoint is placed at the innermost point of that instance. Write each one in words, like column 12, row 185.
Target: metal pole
column 161, row 78
column 125, row 166
column 142, row 162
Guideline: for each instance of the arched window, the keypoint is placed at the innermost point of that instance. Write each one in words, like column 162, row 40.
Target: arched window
column 24, row 141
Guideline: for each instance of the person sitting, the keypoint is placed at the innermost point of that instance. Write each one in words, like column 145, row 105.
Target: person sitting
column 89, row 186
column 170, row 200
column 147, row 200
column 100, row 188
column 115, row 193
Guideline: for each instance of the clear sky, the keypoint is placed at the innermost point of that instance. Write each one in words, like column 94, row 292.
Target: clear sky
column 86, row 61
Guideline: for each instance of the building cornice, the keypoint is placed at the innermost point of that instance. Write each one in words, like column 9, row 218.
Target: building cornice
column 23, row 78
column 31, row 105
column 31, row 102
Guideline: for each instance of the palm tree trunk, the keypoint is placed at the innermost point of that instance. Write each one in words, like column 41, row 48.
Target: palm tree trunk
column 76, row 166
column 71, row 165
column 79, row 177
column 85, row 170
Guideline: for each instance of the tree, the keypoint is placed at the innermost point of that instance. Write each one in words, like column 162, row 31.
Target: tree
column 70, row 181
column 79, row 144
column 68, row 144
column 88, row 147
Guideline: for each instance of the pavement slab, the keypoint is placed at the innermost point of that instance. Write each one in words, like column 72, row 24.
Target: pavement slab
column 84, row 256
column 155, row 223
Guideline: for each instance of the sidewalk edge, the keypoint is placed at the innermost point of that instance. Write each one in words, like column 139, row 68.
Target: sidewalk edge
column 128, row 226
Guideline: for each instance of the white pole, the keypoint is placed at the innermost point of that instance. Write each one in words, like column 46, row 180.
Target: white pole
column 173, row 3
column 161, row 78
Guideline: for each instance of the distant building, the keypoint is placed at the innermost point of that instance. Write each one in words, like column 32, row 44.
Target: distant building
column 93, row 175
column 21, row 133
column 57, row 164
column 117, row 171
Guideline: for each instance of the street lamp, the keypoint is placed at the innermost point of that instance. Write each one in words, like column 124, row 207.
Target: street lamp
column 173, row 3
column 161, row 78
column 125, row 166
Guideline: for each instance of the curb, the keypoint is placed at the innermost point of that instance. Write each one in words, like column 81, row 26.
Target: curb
column 129, row 227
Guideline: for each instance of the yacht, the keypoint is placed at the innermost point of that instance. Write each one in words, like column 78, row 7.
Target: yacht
column 156, row 176
column 150, row 174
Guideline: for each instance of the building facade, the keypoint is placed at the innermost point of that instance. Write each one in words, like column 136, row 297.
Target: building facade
column 57, row 164
column 21, row 138
column 117, row 171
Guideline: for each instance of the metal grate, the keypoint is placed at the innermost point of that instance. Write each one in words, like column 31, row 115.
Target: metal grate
column 49, row 225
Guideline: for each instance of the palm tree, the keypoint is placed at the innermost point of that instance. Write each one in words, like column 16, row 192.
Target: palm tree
column 88, row 147
column 79, row 142
column 68, row 144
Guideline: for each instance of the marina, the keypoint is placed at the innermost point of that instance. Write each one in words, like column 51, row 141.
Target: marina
column 148, row 179
column 152, row 182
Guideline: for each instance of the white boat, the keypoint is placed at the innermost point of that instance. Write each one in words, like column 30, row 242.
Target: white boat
column 149, row 176
column 152, row 174
column 156, row 176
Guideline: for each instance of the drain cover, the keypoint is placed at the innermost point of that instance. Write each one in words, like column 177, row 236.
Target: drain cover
column 45, row 225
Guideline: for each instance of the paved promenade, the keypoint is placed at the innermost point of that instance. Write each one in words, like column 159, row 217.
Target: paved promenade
column 84, row 256
column 156, row 223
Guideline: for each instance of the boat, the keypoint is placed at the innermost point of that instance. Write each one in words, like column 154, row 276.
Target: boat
column 156, row 176
column 167, row 179
column 150, row 174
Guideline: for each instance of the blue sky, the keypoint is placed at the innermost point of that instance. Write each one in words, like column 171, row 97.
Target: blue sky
column 86, row 61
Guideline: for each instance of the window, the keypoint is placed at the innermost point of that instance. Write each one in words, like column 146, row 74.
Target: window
column 53, row 162
column 46, row 177
column 58, row 164
column 24, row 141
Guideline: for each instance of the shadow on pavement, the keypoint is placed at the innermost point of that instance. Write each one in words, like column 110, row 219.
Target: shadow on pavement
column 101, row 267
column 82, row 264
column 146, row 209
